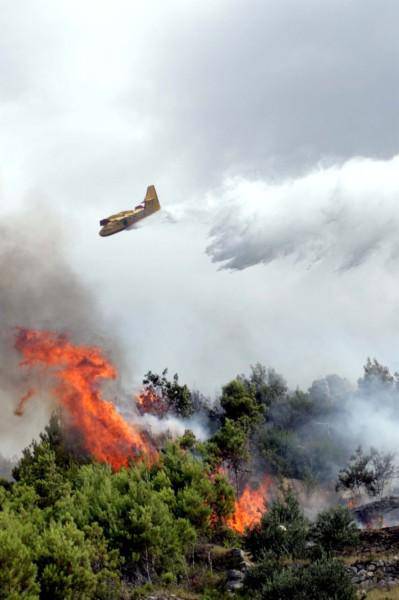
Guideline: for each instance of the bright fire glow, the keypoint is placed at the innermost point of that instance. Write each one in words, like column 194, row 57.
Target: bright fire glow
column 78, row 371
column 250, row 506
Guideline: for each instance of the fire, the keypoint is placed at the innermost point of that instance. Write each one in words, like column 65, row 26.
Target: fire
column 250, row 506
column 23, row 400
column 351, row 503
column 77, row 371
column 149, row 402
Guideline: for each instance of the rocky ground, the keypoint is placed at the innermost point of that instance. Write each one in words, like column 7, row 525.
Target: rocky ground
column 379, row 541
column 376, row 564
column 375, row 573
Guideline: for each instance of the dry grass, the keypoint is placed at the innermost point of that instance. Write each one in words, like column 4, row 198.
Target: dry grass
column 392, row 594
column 171, row 591
column 366, row 557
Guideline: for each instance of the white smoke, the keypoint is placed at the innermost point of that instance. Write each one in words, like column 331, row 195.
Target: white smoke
column 339, row 215
column 172, row 426
column 372, row 422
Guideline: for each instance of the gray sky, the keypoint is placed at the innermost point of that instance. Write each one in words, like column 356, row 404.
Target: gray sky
column 270, row 130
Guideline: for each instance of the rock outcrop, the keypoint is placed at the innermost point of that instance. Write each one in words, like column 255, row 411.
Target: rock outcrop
column 375, row 573
column 373, row 513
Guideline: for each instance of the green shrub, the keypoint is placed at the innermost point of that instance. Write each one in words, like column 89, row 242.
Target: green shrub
column 322, row 580
column 334, row 529
column 168, row 578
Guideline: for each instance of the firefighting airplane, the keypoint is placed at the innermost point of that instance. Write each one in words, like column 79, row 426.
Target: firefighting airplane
column 127, row 218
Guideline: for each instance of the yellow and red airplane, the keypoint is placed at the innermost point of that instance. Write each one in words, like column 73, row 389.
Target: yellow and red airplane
column 126, row 218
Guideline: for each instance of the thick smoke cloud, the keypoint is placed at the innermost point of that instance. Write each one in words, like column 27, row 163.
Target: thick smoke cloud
column 37, row 290
column 98, row 100
column 273, row 87
column 340, row 216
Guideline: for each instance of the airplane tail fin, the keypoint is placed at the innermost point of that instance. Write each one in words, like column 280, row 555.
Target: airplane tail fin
column 151, row 198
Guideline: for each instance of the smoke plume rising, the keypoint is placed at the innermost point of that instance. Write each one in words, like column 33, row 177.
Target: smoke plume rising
column 37, row 289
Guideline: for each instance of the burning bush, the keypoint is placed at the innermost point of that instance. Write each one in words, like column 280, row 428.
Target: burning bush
column 77, row 371
column 161, row 395
column 282, row 530
column 102, row 504
column 250, row 506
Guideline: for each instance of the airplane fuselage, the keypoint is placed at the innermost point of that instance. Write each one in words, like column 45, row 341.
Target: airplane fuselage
column 127, row 218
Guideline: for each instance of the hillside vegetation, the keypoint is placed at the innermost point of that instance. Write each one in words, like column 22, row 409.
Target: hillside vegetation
column 73, row 528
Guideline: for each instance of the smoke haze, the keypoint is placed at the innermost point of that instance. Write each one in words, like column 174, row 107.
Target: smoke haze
column 270, row 132
column 38, row 289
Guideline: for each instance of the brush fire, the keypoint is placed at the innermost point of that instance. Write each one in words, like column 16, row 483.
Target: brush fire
column 77, row 372
column 149, row 402
column 250, row 506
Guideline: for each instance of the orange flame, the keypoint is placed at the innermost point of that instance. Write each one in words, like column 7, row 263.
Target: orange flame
column 21, row 404
column 250, row 506
column 149, row 402
column 78, row 370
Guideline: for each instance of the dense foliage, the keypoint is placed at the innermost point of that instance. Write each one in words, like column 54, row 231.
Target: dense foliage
column 321, row 580
column 73, row 528
column 282, row 536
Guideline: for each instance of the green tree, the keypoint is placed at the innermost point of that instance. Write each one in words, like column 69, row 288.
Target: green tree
column 18, row 571
column 383, row 469
column 377, row 378
column 269, row 386
column 177, row 397
column 283, row 452
column 357, row 476
column 198, row 497
column 105, row 564
column 223, row 500
column 188, row 440
column 38, row 468
column 370, row 473
column 63, row 561
column 239, row 404
column 229, row 445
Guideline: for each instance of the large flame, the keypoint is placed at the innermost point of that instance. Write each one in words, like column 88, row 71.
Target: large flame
column 78, row 371
column 250, row 506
